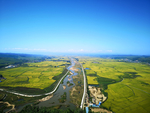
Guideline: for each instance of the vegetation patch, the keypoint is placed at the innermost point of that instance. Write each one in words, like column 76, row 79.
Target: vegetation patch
column 129, row 75
column 144, row 83
column 103, row 84
column 63, row 98
column 69, row 84
column 55, row 109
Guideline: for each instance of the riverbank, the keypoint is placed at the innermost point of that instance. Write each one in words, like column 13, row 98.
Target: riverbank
column 63, row 88
column 46, row 98
column 76, row 92
column 9, row 105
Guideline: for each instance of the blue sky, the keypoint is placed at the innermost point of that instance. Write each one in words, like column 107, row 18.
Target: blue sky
column 75, row 26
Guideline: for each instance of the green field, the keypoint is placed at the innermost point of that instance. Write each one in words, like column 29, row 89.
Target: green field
column 127, row 85
column 33, row 75
column 92, row 80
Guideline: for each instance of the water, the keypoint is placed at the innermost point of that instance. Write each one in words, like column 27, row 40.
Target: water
column 60, row 91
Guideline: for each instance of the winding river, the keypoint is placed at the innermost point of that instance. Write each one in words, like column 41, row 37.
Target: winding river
column 60, row 91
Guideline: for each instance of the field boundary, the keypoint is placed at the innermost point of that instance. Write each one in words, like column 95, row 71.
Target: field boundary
column 137, row 89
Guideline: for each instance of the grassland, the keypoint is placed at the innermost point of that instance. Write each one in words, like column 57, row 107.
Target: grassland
column 127, row 85
column 38, row 76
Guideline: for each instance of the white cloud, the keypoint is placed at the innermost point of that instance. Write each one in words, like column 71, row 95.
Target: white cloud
column 26, row 49
column 39, row 49
column 59, row 50
column 81, row 50
column 71, row 50
column 109, row 51
column 17, row 48
column 76, row 51
column 100, row 50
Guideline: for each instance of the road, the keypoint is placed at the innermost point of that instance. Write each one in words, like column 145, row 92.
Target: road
column 85, row 89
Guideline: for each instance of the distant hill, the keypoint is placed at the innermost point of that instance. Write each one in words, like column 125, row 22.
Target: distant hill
column 13, row 58
column 141, row 58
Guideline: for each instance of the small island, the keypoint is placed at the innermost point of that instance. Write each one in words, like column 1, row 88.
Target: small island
column 69, row 84
column 63, row 98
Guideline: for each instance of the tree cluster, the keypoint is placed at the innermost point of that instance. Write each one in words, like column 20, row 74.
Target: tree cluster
column 36, row 109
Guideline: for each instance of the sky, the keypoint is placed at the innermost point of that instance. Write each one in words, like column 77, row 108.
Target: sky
column 75, row 26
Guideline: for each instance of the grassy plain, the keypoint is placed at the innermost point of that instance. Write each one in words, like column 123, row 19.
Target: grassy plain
column 33, row 75
column 126, row 84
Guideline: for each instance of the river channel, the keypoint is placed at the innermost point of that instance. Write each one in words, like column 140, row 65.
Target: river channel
column 60, row 91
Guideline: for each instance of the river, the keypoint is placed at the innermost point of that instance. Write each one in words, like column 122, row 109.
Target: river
column 60, row 91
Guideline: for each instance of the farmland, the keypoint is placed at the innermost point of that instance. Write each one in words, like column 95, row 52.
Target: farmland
column 126, row 84
column 41, row 76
